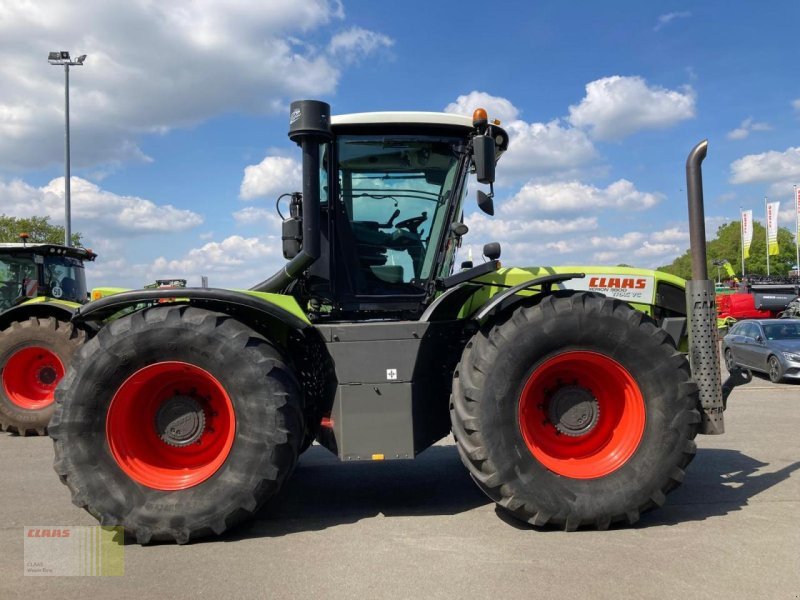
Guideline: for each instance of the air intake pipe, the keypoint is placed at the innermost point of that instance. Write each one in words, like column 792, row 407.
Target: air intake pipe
column 701, row 305
column 309, row 126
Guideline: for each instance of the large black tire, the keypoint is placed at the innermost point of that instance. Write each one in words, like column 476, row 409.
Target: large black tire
column 487, row 420
column 265, row 406
column 28, row 378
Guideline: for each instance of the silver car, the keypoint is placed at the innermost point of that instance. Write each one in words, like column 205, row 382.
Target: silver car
column 771, row 346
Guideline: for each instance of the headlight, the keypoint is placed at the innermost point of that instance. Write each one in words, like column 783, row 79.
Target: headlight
column 792, row 356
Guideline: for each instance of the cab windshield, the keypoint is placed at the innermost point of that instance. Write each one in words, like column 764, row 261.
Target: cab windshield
column 397, row 193
column 64, row 278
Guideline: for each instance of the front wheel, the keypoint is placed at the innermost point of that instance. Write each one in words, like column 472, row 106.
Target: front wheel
column 34, row 355
column 730, row 365
column 577, row 411
column 176, row 422
column 775, row 369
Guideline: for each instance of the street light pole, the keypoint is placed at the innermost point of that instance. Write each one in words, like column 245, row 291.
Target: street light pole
column 67, row 190
column 62, row 58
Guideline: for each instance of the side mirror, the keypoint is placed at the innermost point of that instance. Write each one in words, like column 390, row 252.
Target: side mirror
column 485, row 203
column 492, row 250
column 459, row 229
column 483, row 153
column 759, row 339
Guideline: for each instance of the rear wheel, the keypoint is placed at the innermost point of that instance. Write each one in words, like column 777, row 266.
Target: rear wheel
column 577, row 411
column 775, row 369
column 34, row 355
column 176, row 423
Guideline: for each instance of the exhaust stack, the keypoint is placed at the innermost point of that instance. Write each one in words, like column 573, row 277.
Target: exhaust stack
column 309, row 126
column 701, row 304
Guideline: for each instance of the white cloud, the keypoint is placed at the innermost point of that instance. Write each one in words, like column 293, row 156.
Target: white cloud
column 576, row 196
column 560, row 246
column 625, row 241
column 796, row 104
column 605, row 257
column 634, row 248
column 95, row 212
column 357, row 43
column 151, row 67
column 236, row 261
column 258, row 216
column 522, row 242
column 653, row 250
column 746, row 128
column 664, row 20
column 535, row 149
column 496, row 106
column 739, row 133
column 271, row 177
column 615, row 107
column 672, row 234
column 545, row 149
column 786, row 215
column 488, row 229
column 610, row 246
column 772, row 166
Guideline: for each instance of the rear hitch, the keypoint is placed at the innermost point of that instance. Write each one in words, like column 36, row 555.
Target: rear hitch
column 701, row 305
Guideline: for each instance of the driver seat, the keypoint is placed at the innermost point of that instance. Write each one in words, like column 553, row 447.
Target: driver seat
column 68, row 287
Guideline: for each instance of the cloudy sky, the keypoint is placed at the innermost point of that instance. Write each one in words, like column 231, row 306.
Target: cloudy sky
column 179, row 116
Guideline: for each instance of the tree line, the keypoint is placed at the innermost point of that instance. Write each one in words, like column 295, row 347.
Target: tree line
column 728, row 246
column 39, row 229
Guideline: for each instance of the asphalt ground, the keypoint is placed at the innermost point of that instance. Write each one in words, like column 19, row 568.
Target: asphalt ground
column 421, row 529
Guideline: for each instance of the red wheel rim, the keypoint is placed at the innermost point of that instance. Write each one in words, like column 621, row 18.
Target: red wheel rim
column 136, row 426
column 30, row 377
column 604, row 425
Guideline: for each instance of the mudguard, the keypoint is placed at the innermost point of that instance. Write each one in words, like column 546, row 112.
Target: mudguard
column 652, row 292
column 658, row 294
column 277, row 317
column 259, row 309
column 42, row 306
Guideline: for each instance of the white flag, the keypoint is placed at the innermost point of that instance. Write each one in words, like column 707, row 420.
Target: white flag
column 747, row 231
column 797, row 217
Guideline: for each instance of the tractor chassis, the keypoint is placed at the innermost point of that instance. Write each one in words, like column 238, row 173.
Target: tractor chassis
column 393, row 386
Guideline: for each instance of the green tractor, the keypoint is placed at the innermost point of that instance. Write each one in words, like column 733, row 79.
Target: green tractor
column 40, row 287
column 571, row 402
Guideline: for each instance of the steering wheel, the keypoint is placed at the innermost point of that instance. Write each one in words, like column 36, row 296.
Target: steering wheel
column 413, row 223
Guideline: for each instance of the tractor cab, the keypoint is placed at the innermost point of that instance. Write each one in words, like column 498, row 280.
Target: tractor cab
column 389, row 203
column 28, row 270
